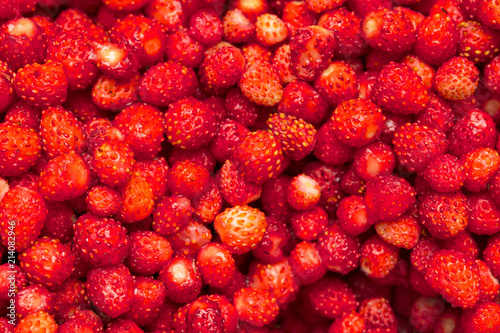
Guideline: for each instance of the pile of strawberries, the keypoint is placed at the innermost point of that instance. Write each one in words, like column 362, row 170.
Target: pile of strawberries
column 264, row 166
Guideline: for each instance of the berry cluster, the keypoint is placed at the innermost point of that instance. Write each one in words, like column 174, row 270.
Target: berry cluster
column 250, row 166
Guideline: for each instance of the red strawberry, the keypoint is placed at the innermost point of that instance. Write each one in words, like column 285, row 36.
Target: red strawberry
column 255, row 53
column 32, row 299
column 6, row 87
column 297, row 15
column 328, row 147
column 206, row 27
column 261, row 84
column 137, row 200
column 351, row 322
column 239, row 108
column 425, row 71
column 149, row 296
column 155, row 172
column 337, row 83
column 235, row 189
column 323, row 6
column 188, row 179
column 403, row 232
column 456, row 79
column 251, row 9
column 475, row 129
column 42, row 85
column 208, row 204
column 9, row 10
column 113, row 162
column 301, row 100
column 378, row 315
column 75, row 53
column 422, row 252
column 338, row 250
column 23, row 211
column 484, row 317
column 22, row 42
column 116, row 60
column 144, row 35
column 491, row 78
column 20, row 149
column 424, row 313
column 80, row 104
column 303, row 192
column 270, row 29
column 156, row 86
column 103, row 201
column 373, row 160
column 184, row 49
column 216, row 265
column 64, row 177
column 388, row 197
column 352, row 215
column 445, row 173
column 113, row 95
column 190, row 239
column 455, row 276
column 40, row 320
column 477, row 42
column 347, row 32
column 437, row 39
column 306, row 263
column 273, row 197
column 400, row 90
column 227, row 137
column 275, row 243
column 240, row 228
column 237, row 27
column 71, row 297
column 416, row 146
column 311, row 48
column 378, row 258
column 125, row 5
column 182, row 279
column 61, row 132
column 111, row 289
column 190, row 123
column 362, row 7
column 47, row 262
column 148, row 252
column 170, row 13
column 255, row 306
column 389, row 31
column 142, row 127
column 479, row 166
column 100, row 241
column 483, row 214
column 23, row 114
column 489, row 284
column 308, row 224
column 488, row 12
column 171, row 215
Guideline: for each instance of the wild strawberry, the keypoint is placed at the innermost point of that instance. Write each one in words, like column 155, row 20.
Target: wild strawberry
column 240, row 228
column 100, row 241
column 156, row 86
column 206, row 27
column 347, row 32
column 80, row 104
column 352, row 215
column 275, row 243
column 301, row 100
column 183, row 49
column 239, row 108
column 351, row 183
column 416, row 146
column 297, row 15
column 403, row 232
column 281, row 61
column 491, row 78
column 425, row 71
column 475, row 129
column 188, row 179
column 65, row 177
column 116, row 60
column 23, row 114
column 61, row 132
column 190, row 239
column 255, row 306
column 148, row 253
column 437, row 39
column 137, row 200
column 482, row 318
column 457, row 79
column 389, row 31
column 308, row 224
column 171, row 215
column 445, row 173
column 400, row 90
column 417, row 283
column 164, row 319
column 182, row 279
column 142, row 128
column 338, row 250
column 337, row 83
column 149, row 296
column 378, row 315
column 59, row 222
column 125, row 5
column 9, row 10
column 202, row 156
column 273, row 197
column 270, row 29
column 113, row 95
column 351, row 322
column 216, row 265
column 255, row 53
column 155, row 172
column 237, row 27
column 222, row 66
column 422, row 252
column 190, row 123
column 306, row 263
column 20, row 149
column 488, row 13
column 103, row 201
column 437, row 115
column 6, row 87
column 455, row 276
column 261, row 84
column 22, row 42
column 484, row 215
column 75, row 53
column 479, row 166
column 373, row 160
column 303, row 192
column 40, row 320
column 235, row 189
column 42, row 85
column 32, row 299
column 388, row 197
column 70, row 298
column 489, row 285
column 47, row 262
column 111, row 289
column 477, row 42
column 424, row 312
column 170, row 13
column 462, row 242
column 227, row 137
column 378, row 258
column 311, row 47
column 328, row 147
column 144, row 35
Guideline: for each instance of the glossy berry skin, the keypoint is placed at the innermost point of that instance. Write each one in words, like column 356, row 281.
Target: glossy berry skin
column 455, row 276
column 137, row 200
column 111, row 289
column 48, row 262
column 484, row 317
column 403, row 232
column 261, row 84
column 400, row 90
column 235, row 189
column 378, row 314
column 388, row 197
column 303, row 101
column 103, row 201
column 148, row 252
column 255, row 306
column 459, row 73
column 113, row 162
column 20, row 150
column 188, row 179
column 328, row 147
column 479, row 166
column 303, row 192
column 182, row 279
column 308, row 224
column 484, row 214
column 445, row 174
column 378, row 258
column 100, row 241
column 216, row 265
column 338, row 250
column 337, row 83
column 37, row 320
column 306, row 263
column 171, row 215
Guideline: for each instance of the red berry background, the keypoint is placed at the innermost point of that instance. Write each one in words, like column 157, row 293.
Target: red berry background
column 250, row 166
